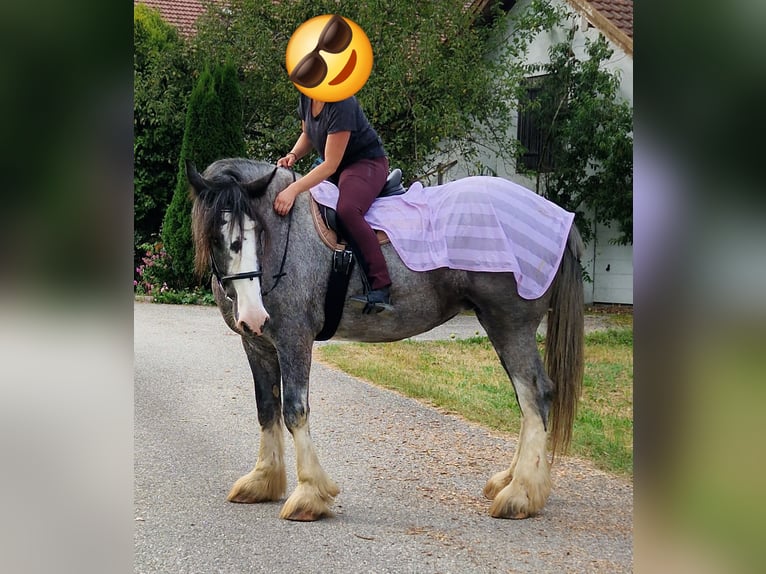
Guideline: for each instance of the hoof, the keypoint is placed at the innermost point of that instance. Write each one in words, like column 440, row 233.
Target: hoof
column 305, row 512
column 258, row 487
column 508, row 511
column 308, row 503
column 304, row 515
column 519, row 516
column 520, row 500
column 241, row 497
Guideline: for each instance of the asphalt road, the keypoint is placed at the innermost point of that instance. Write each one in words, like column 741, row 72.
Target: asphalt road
column 410, row 476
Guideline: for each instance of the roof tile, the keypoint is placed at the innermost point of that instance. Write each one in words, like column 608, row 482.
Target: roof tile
column 182, row 14
column 614, row 18
column 620, row 12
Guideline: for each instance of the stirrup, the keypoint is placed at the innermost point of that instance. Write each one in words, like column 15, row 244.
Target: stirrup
column 374, row 301
column 370, row 308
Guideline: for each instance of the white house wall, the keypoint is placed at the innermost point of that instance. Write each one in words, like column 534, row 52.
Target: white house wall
column 610, row 272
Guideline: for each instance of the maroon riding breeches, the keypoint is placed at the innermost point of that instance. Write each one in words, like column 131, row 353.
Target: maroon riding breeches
column 359, row 185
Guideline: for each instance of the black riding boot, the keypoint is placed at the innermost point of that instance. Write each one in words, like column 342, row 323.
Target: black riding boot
column 375, row 301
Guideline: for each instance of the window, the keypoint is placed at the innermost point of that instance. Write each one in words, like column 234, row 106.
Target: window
column 530, row 133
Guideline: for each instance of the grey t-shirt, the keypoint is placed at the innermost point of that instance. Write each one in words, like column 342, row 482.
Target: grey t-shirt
column 345, row 115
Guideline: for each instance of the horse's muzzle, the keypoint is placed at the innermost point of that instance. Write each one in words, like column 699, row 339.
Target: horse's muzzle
column 253, row 324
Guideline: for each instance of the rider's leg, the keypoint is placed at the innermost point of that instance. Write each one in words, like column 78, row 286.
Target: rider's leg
column 359, row 185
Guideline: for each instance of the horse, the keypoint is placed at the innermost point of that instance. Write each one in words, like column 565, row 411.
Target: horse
column 269, row 281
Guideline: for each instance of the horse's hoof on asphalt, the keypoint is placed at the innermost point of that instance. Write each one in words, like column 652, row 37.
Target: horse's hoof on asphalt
column 517, row 516
column 302, row 516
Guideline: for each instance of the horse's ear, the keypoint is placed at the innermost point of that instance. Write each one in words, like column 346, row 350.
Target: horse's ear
column 258, row 186
column 195, row 179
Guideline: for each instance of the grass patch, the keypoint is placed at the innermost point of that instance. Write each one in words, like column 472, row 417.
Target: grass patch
column 465, row 377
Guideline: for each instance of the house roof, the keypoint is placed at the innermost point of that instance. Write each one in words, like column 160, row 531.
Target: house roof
column 614, row 18
column 182, row 14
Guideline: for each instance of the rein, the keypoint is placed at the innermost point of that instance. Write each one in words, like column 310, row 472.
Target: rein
column 282, row 273
column 259, row 273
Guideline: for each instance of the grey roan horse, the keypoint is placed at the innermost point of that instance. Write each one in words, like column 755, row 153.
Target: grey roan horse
column 270, row 280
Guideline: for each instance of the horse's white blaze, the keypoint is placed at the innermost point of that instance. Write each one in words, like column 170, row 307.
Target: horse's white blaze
column 250, row 313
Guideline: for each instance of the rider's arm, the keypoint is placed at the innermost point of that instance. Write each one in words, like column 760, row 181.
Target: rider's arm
column 301, row 148
column 333, row 154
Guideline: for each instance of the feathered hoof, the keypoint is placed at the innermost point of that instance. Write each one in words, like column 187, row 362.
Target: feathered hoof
column 513, row 509
column 259, row 486
column 517, row 501
column 308, row 503
column 497, row 483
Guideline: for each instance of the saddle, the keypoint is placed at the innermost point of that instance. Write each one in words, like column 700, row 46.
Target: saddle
column 326, row 218
column 343, row 259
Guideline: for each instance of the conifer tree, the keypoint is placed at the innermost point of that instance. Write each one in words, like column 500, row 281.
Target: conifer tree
column 213, row 131
column 161, row 86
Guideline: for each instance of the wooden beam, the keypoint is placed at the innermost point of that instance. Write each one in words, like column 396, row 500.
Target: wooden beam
column 606, row 26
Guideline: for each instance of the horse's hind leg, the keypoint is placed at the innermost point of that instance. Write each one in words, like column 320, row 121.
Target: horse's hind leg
column 267, row 481
column 316, row 491
column 503, row 478
column 522, row 490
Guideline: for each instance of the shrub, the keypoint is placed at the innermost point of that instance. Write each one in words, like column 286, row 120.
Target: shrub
column 153, row 273
column 213, row 131
column 161, row 85
column 152, row 280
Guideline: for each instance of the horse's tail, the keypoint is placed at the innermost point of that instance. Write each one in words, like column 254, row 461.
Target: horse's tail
column 564, row 342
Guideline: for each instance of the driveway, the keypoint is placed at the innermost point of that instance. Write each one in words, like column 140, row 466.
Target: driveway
column 410, row 476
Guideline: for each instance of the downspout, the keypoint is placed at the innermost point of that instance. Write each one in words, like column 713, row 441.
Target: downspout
column 593, row 265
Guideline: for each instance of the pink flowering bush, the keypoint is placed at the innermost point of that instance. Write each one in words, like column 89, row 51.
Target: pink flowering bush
column 153, row 275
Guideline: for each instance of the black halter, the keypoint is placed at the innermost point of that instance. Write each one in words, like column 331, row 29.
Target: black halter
column 258, row 273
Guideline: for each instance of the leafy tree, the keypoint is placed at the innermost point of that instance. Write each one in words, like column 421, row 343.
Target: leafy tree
column 429, row 83
column 213, row 131
column 161, row 87
column 586, row 128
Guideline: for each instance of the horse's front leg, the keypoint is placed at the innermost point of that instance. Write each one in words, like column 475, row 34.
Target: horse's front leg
column 267, row 481
column 316, row 491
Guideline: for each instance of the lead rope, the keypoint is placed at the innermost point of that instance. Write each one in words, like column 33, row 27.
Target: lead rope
column 282, row 273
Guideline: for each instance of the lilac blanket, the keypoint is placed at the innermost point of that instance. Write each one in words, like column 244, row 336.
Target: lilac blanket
column 474, row 224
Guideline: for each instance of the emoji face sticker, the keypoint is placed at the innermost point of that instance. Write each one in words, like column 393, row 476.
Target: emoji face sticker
column 329, row 58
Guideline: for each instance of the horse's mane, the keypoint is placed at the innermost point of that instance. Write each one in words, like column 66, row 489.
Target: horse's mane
column 227, row 191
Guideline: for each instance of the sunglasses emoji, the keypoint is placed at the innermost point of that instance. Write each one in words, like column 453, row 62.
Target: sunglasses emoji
column 329, row 58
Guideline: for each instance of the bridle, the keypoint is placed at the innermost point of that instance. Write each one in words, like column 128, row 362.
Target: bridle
column 259, row 272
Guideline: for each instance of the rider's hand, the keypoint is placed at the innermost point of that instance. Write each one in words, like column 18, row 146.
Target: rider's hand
column 285, row 199
column 287, row 161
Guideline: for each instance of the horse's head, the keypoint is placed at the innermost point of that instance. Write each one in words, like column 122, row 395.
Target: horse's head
column 229, row 234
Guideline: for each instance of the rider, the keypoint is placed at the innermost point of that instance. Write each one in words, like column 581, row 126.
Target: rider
column 353, row 159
